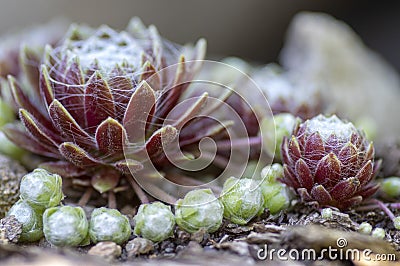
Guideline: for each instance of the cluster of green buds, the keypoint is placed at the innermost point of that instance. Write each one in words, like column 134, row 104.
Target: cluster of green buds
column 154, row 221
column 65, row 226
column 390, row 187
column 199, row 209
column 38, row 190
column 242, row 199
column 68, row 226
column 276, row 195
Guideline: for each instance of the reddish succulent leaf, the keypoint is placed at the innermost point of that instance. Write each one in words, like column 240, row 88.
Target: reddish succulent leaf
column 25, row 141
column 284, row 151
column 110, row 137
column 332, row 144
column 37, row 130
column 160, row 139
column 365, row 173
column 64, row 169
column 348, row 154
column 345, row 189
column 328, row 169
column 71, row 95
column 290, row 178
column 368, row 190
column 369, row 154
column 150, row 75
column 30, row 62
column 192, row 112
column 76, row 155
column 314, row 147
column 321, row 195
column 23, row 102
column 45, row 85
column 294, row 149
column 121, row 88
column 304, row 195
column 350, row 202
column 128, row 165
column 99, row 102
column 377, row 166
column 66, row 124
column 138, row 111
column 304, row 175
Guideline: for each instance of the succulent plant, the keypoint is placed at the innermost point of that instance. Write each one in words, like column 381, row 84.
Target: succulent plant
column 242, row 199
column 41, row 189
column 11, row 173
column 330, row 162
column 31, row 220
column 66, row 226
column 93, row 84
column 199, row 209
column 109, row 225
column 154, row 221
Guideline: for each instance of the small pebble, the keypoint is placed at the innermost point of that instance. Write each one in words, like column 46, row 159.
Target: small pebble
column 139, row 246
column 107, row 250
column 10, row 229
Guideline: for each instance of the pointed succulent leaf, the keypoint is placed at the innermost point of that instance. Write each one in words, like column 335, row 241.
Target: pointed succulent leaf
column 37, row 130
column 304, row 195
column 321, row 195
column 30, row 62
column 69, row 128
column 22, row 99
column 350, row 202
column 304, row 175
column 105, row 180
column 192, row 112
column 290, row 178
column 25, row 141
column 121, row 88
column 160, row 139
column 348, row 154
column 46, row 89
column 314, row 147
column 369, row 154
column 76, row 155
column 368, row 190
column 99, row 102
column 110, row 137
column 138, row 111
column 345, row 188
column 328, row 169
column 365, row 173
column 294, row 149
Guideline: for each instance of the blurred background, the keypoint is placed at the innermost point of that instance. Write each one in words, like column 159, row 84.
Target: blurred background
column 252, row 29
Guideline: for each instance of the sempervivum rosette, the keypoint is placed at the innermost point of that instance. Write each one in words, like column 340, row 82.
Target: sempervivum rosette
column 330, row 162
column 91, row 87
